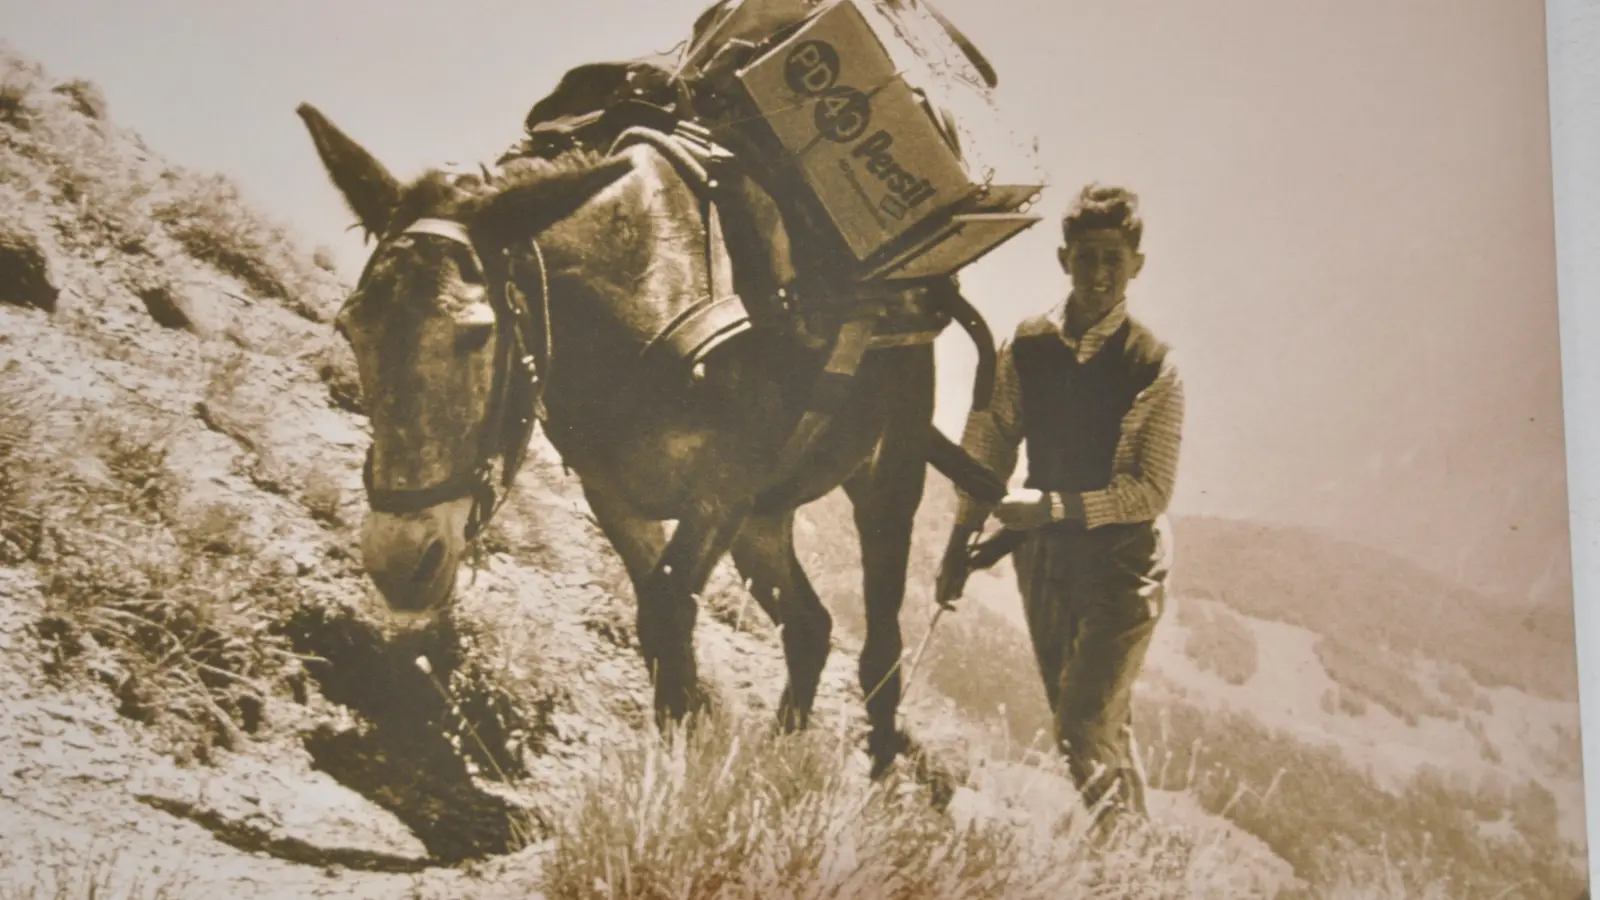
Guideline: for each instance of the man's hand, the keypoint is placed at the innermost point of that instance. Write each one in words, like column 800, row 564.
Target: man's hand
column 1024, row 509
column 954, row 568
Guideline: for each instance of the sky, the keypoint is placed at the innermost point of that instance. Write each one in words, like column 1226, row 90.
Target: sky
column 1348, row 213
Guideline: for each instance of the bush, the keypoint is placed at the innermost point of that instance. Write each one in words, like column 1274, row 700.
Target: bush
column 1372, row 673
column 18, row 82
column 1221, row 643
column 85, row 96
column 1464, row 692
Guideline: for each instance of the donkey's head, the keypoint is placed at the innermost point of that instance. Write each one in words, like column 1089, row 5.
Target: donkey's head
column 441, row 344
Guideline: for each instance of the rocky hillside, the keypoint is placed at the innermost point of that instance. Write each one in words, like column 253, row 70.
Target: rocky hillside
column 197, row 702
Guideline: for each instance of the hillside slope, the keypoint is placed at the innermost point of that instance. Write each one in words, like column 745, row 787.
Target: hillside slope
column 1386, row 709
column 197, row 701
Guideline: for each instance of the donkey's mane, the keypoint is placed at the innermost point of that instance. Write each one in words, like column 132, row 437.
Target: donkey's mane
column 432, row 193
column 521, row 170
column 441, row 191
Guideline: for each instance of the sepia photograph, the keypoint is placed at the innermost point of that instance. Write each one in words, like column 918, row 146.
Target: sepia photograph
column 767, row 449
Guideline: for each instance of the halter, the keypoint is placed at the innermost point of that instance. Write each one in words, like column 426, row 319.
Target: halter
column 516, row 397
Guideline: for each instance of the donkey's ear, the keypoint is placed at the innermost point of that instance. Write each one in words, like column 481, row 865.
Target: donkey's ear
column 539, row 199
column 368, row 188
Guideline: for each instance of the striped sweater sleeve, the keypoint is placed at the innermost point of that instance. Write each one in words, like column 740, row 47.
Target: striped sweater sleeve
column 1145, row 467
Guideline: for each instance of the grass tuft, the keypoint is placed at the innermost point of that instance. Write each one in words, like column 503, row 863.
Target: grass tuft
column 730, row 808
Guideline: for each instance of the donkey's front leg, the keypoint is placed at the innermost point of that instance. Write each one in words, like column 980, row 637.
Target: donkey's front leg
column 668, row 607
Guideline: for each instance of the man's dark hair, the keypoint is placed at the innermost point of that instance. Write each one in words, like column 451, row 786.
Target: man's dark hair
column 1099, row 206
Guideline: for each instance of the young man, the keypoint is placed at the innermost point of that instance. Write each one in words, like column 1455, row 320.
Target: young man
column 1098, row 400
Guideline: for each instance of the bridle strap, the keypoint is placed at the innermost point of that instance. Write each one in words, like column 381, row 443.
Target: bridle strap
column 448, row 229
column 513, row 360
column 409, row 500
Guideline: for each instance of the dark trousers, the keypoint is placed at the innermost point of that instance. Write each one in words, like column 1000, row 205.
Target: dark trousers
column 1093, row 598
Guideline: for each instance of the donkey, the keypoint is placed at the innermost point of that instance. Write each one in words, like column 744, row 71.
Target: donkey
column 593, row 251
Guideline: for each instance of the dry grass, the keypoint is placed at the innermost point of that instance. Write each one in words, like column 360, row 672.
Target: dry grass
column 323, row 497
column 22, row 477
column 214, row 223
column 1375, row 876
column 730, row 809
column 169, row 612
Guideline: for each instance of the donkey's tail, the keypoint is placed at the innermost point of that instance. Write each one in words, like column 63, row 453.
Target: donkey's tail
column 972, row 322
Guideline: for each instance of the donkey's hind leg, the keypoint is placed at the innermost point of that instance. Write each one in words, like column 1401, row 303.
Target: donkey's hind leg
column 886, row 494
column 765, row 556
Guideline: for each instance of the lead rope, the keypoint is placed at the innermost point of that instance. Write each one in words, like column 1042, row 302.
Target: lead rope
column 426, row 668
column 911, row 671
column 542, row 373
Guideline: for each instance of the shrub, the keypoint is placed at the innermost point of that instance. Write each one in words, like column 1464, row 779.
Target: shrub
column 1223, row 644
column 1337, row 827
column 85, row 96
column 1371, row 672
column 1464, row 692
column 18, row 82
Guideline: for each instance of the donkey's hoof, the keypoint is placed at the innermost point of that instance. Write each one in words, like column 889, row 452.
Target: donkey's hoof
column 685, row 710
column 884, row 748
column 790, row 720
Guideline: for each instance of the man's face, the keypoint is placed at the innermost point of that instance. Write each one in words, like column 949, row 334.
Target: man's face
column 1100, row 263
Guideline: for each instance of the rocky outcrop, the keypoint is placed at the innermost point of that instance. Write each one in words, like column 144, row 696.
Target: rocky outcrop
column 25, row 272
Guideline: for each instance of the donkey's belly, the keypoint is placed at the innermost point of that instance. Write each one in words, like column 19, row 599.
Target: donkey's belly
column 666, row 471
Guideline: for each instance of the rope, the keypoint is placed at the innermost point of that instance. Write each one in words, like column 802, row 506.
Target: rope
column 916, row 661
column 426, row 667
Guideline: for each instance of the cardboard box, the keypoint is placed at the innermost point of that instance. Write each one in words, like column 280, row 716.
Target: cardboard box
column 866, row 142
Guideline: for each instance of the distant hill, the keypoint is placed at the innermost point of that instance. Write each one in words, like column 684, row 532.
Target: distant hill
column 1363, row 596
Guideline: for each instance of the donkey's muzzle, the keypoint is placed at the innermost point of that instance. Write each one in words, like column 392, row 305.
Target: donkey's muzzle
column 412, row 559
